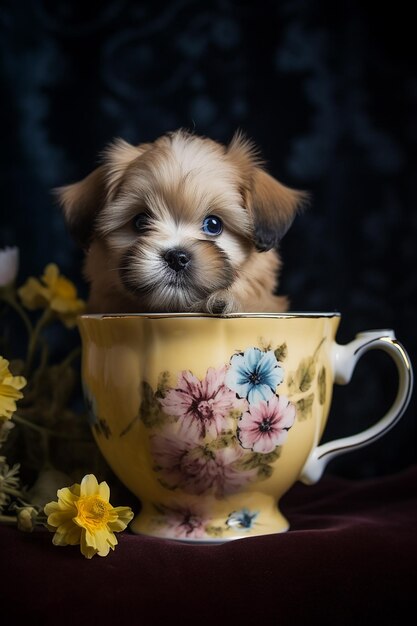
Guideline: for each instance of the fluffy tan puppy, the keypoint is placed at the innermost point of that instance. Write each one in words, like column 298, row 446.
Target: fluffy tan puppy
column 181, row 224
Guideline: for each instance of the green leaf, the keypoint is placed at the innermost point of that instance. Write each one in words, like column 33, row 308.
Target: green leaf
column 304, row 407
column 322, row 385
column 256, row 460
column 281, row 352
column 249, row 462
column 150, row 411
column 264, row 345
column 163, row 384
column 235, row 414
column 159, row 508
column 166, row 485
column 102, row 428
column 291, row 382
column 223, row 441
column 214, row 531
column 264, row 472
column 305, row 374
column 270, row 457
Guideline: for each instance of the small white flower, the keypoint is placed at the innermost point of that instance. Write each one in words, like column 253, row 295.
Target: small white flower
column 9, row 264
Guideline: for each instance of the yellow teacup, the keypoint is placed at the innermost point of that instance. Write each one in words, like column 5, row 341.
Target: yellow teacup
column 209, row 419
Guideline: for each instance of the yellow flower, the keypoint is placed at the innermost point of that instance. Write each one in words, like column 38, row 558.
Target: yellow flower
column 83, row 515
column 9, row 390
column 55, row 292
column 26, row 518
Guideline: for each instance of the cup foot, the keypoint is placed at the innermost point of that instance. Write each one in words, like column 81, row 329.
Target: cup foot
column 186, row 526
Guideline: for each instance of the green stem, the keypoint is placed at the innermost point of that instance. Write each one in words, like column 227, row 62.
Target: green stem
column 37, row 378
column 10, row 299
column 318, row 347
column 8, row 519
column 45, row 445
column 13, row 492
column 71, row 357
column 41, row 429
column 34, row 338
column 43, row 358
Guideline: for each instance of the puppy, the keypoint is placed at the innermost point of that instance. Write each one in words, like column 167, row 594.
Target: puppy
column 181, row 224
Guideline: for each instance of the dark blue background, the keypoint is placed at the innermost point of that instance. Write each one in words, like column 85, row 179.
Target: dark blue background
column 326, row 89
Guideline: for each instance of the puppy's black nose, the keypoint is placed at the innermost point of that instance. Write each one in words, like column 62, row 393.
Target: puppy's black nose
column 177, row 259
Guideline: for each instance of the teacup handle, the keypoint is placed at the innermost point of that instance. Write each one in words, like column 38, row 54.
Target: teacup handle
column 344, row 360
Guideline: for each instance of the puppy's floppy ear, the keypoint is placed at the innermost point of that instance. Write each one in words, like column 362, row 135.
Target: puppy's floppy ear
column 82, row 201
column 271, row 204
column 273, row 207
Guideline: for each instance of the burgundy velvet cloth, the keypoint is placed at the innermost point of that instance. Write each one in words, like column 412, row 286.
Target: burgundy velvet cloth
column 349, row 558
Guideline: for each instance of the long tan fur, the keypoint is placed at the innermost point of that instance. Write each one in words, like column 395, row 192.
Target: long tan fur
column 145, row 201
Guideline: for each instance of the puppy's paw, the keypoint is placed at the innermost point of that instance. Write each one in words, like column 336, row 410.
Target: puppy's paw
column 222, row 303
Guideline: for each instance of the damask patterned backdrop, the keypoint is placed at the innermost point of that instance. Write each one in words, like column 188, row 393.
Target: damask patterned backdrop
column 326, row 89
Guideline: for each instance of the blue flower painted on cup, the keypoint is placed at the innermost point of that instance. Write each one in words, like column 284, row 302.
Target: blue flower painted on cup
column 254, row 375
column 244, row 519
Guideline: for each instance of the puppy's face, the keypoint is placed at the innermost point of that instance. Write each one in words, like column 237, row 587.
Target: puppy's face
column 179, row 217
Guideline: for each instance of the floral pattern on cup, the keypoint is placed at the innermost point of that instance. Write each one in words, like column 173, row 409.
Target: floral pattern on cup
column 216, row 434
column 181, row 522
column 266, row 424
column 191, row 522
column 255, row 374
column 196, row 468
column 202, row 407
column 243, row 519
column 97, row 423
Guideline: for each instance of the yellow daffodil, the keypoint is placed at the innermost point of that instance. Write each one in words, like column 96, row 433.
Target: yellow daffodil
column 83, row 515
column 9, row 390
column 55, row 292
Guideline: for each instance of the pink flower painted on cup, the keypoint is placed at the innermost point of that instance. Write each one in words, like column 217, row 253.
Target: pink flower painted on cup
column 202, row 406
column 197, row 469
column 265, row 426
column 184, row 523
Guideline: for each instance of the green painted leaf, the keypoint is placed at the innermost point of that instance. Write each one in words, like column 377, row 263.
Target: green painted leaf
column 159, row 508
column 304, row 407
column 264, row 345
column 305, row 374
column 223, row 441
column 102, row 428
column 163, row 384
column 281, row 352
column 291, row 382
column 270, row 457
column 165, row 485
column 235, row 414
column 150, row 411
column 264, row 472
column 322, row 385
column 257, row 459
column 214, row 531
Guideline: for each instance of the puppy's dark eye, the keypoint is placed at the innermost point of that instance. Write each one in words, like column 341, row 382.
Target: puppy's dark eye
column 141, row 222
column 212, row 225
